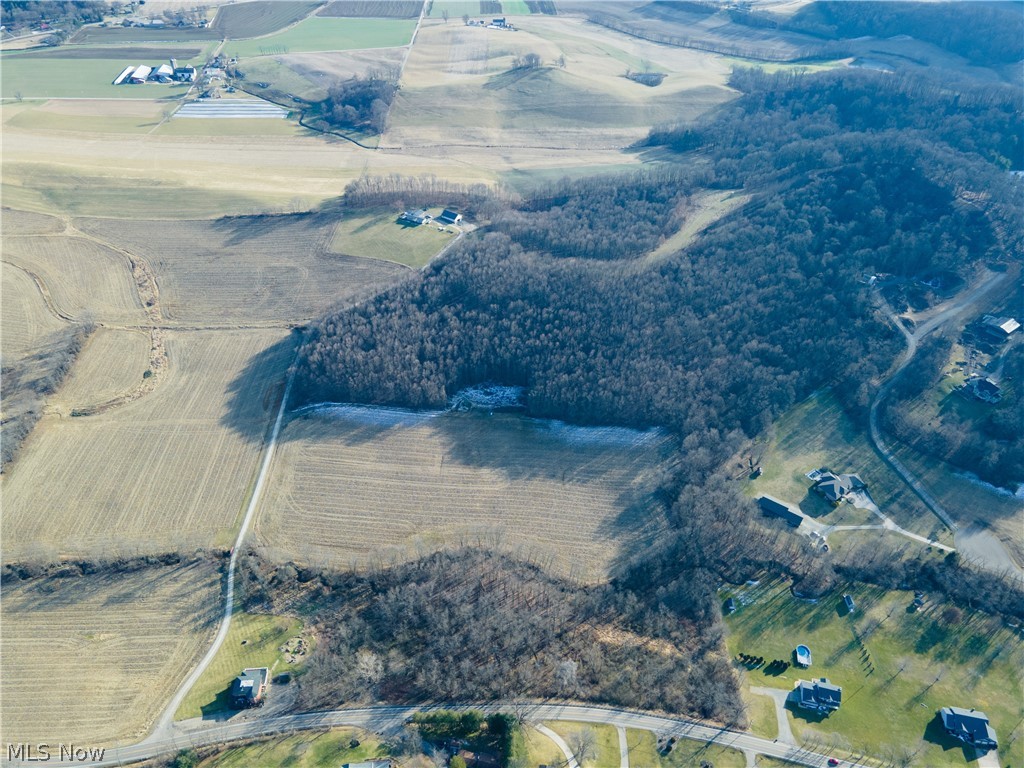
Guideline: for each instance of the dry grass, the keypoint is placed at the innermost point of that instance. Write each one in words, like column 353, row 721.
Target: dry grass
column 459, row 87
column 84, row 280
column 111, row 364
column 93, row 659
column 169, row 471
column 705, row 209
column 14, row 222
column 243, row 270
column 26, row 320
column 365, row 485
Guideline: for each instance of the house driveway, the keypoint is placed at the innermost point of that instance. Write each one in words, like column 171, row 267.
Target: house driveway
column 779, row 696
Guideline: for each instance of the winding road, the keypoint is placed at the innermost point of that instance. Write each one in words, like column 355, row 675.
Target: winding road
column 385, row 720
column 944, row 314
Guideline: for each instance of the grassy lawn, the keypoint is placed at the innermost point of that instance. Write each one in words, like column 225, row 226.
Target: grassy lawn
column 262, row 637
column 322, row 33
column 896, row 668
column 39, row 77
column 377, row 235
column 541, row 750
column 326, row 749
column 818, row 433
column 607, row 741
column 761, row 711
column 643, row 753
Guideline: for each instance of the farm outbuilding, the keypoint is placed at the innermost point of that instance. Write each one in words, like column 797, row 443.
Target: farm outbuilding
column 773, row 507
column 448, row 216
column 141, row 74
column 123, row 76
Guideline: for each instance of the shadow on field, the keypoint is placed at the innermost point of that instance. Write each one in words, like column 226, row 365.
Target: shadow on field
column 254, row 395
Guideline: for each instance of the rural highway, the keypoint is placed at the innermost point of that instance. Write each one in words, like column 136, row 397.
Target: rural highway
column 958, row 306
column 198, row 733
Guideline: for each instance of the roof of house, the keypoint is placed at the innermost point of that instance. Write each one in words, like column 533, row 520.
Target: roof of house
column 967, row 723
column 250, row 683
column 985, row 387
column 835, row 487
column 819, row 692
column 449, row 215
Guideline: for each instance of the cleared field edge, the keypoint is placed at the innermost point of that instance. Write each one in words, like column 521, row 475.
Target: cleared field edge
column 112, row 362
column 124, row 639
column 354, row 494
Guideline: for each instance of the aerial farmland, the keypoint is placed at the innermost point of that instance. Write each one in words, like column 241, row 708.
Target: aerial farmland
column 441, row 351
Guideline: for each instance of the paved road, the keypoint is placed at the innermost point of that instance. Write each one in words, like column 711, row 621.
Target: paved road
column 570, row 761
column 955, row 308
column 196, row 733
column 165, row 722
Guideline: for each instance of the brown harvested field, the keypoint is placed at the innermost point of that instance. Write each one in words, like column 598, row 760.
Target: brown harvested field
column 383, row 9
column 92, row 659
column 111, row 363
column 14, row 222
column 357, row 486
column 459, row 87
column 84, row 280
column 169, row 471
column 115, row 35
column 260, row 17
column 26, row 320
column 141, row 52
column 247, row 269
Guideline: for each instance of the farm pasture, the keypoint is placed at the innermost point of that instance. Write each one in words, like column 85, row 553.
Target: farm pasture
column 377, row 235
column 460, row 87
column 111, row 363
column 77, row 117
column 85, row 281
column 168, row 471
column 93, row 35
column 325, row 33
column 246, row 269
column 310, row 75
column 93, row 658
column 357, row 486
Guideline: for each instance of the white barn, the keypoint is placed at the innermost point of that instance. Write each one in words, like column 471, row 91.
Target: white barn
column 141, row 74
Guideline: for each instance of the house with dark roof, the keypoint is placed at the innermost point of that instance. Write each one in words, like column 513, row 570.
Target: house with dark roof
column 818, row 695
column 984, row 389
column 250, row 688
column 835, row 488
column 448, row 216
column 969, row 726
column 772, row 507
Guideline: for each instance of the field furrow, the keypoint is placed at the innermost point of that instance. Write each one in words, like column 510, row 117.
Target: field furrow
column 347, row 492
column 85, row 281
column 110, row 365
column 93, row 658
column 167, row 471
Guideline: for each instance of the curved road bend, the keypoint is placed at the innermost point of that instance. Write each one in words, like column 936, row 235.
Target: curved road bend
column 960, row 304
column 166, row 720
column 197, row 733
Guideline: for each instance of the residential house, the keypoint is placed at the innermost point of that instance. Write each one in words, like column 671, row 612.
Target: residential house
column 249, row 689
column 835, row 488
column 969, row 726
column 415, row 218
column 818, row 695
column 984, row 389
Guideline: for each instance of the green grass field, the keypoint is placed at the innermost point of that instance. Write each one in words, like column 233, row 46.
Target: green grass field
column 262, row 635
column 896, row 668
column 540, row 750
column 761, row 712
column 324, row 749
column 607, row 741
column 456, row 9
column 377, row 236
column 643, row 751
column 36, row 76
column 321, row 33
column 819, row 433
